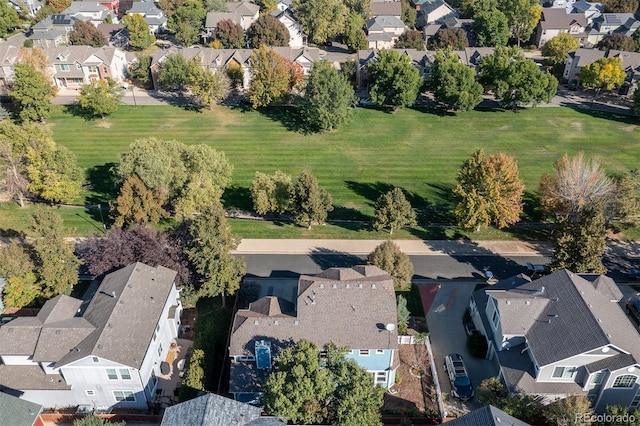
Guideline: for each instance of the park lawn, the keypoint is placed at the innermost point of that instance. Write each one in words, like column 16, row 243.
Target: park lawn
column 418, row 151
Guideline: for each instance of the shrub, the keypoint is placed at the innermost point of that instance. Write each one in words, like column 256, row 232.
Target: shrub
column 477, row 345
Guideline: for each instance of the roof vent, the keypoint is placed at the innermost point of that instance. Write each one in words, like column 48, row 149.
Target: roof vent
column 57, row 332
column 527, row 302
column 321, row 286
column 373, row 286
column 347, row 286
column 334, row 286
column 275, row 322
column 359, row 285
column 508, row 302
column 296, row 322
column 539, row 291
column 256, row 322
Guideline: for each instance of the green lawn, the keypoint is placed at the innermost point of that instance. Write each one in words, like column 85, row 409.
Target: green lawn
column 418, row 151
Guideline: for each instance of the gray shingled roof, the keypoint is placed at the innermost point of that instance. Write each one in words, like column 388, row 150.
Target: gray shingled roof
column 144, row 8
column 244, row 8
column 17, row 412
column 210, row 410
column 559, row 19
column 380, row 23
column 363, row 300
column 487, row 416
column 30, row 377
column 389, row 8
column 611, row 363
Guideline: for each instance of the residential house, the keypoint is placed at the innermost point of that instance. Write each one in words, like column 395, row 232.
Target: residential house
column 116, row 34
column 52, row 31
column 385, row 8
column 433, row 12
column 90, row 11
column 242, row 13
column 350, row 307
column 152, row 14
column 589, row 10
column 112, row 5
column 18, row 412
column 422, row 60
column 384, row 31
column 297, row 37
column 75, row 66
column 486, row 416
column 582, row 57
column 103, row 353
column 610, row 23
column 216, row 60
column 26, row 7
column 9, row 55
column 559, row 335
column 556, row 21
column 283, row 5
column 215, row 410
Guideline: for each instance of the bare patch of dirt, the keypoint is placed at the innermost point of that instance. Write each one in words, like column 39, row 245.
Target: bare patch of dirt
column 630, row 128
column 612, row 235
column 552, row 123
column 103, row 123
column 576, row 125
column 505, row 127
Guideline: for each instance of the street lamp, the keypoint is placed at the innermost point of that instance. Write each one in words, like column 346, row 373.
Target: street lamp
column 133, row 93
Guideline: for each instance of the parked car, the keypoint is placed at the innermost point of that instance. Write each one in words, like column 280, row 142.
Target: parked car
column 461, row 386
column 534, row 269
column 633, row 310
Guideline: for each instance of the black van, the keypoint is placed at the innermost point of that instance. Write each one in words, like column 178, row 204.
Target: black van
column 633, row 310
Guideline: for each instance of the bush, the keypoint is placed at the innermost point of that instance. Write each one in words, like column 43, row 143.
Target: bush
column 398, row 378
column 28, row 43
column 194, row 378
column 477, row 345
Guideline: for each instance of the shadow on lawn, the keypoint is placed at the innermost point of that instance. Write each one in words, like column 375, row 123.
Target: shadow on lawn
column 102, row 190
column 238, row 197
column 288, row 116
column 609, row 115
column 78, row 111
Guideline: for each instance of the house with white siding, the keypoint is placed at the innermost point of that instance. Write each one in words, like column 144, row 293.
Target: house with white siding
column 75, row 66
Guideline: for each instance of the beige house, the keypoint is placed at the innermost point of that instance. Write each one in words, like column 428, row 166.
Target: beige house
column 75, row 66
column 556, row 21
column 384, row 31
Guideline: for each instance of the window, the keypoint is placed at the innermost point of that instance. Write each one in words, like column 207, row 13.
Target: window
column 89, row 392
column 124, row 374
column 596, row 379
column 93, row 68
column 564, row 372
column 95, row 359
column 363, row 352
column 124, row 395
column 625, row 381
column 160, row 349
column 64, row 67
column 379, row 351
column 111, row 374
column 635, row 402
column 380, row 377
column 495, row 319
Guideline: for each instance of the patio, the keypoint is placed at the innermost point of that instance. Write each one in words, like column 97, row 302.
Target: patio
column 169, row 383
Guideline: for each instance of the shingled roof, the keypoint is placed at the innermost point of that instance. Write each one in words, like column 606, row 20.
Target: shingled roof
column 487, row 416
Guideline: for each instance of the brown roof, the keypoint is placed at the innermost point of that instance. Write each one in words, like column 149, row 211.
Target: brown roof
column 30, row 377
column 560, row 19
column 390, row 8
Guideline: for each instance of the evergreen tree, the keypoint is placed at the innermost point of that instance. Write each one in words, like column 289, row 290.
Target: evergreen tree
column 388, row 257
column 310, row 202
column 393, row 211
column 626, row 203
column 403, row 315
column 579, row 244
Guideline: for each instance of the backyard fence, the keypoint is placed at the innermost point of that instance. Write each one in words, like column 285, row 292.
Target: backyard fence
column 434, row 374
column 406, row 340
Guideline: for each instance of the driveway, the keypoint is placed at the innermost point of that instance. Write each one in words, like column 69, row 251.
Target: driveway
column 444, row 320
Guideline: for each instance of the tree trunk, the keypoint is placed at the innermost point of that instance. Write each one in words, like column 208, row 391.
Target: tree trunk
column 309, row 227
column 478, row 227
column 20, row 199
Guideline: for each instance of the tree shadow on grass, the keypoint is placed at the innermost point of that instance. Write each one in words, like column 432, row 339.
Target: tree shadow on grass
column 78, row 111
column 103, row 189
column 237, row 197
column 623, row 116
column 288, row 116
column 348, row 213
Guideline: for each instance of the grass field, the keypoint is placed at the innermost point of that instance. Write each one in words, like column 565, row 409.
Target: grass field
column 419, row 151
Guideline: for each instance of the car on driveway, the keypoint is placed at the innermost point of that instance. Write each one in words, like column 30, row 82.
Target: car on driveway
column 534, row 269
column 461, row 386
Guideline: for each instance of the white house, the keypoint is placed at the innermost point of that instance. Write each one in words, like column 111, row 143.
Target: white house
column 104, row 353
column 383, row 31
column 74, row 66
column 90, row 11
column 555, row 21
column 153, row 15
column 297, row 37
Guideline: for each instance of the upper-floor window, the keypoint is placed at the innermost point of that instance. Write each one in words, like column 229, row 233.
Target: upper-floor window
column 160, row 349
column 495, row 319
column 596, row 379
column 93, row 68
column 95, row 359
column 111, row 374
column 64, row 67
column 124, row 373
column 564, row 372
column 124, row 395
column 625, row 381
column 379, row 351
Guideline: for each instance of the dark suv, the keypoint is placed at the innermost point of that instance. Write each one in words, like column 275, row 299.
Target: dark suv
column 461, row 386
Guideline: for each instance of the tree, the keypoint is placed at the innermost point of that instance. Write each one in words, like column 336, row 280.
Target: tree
column 310, row 202
column 140, row 37
column 17, row 267
column 359, row 7
column 207, row 87
column 85, row 33
column 53, row 173
column 236, row 75
column 605, row 73
column 632, row 418
column 21, row 290
column 403, row 315
column 140, row 68
column 136, row 203
column 305, row 389
column 626, row 203
column 354, row 36
column 15, row 259
column 59, row 5
column 526, row 407
column 174, row 72
column 454, row 38
column 563, row 412
column 620, row 6
column 92, row 420
column 32, row 93
column 636, row 102
column 215, row 5
column 616, row 41
column 35, row 58
column 388, row 257
column 393, row 211
column 54, row 260
column 328, row 98
column 557, row 49
column 488, row 190
column 209, row 251
column 411, row 39
column 408, row 14
column 170, row 6
column 13, row 159
column 395, row 81
column 522, row 17
column 101, row 97
column 140, row 243
column 193, row 382
column 576, row 195
column 322, row 20
column 8, row 18
column 454, row 84
column 269, row 31
column 271, row 193
column 230, row 34
column 186, row 21
column 273, row 77
column 515, row 79
column 491, row 28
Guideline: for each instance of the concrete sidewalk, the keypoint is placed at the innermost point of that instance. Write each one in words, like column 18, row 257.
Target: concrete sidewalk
column 411, row 247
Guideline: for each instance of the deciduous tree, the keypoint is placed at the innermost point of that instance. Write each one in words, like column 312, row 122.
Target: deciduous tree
column 17, row 267
column 515, row 79
column 615, row 41
column 56, row 265
column 174, row 72
column 522, row 17
column 21, row 290
column 271, row 193
column 140, row 68
column 140, row 37
column 354, row 36
column 563, row 412
column 215, row 5
column 454, row 38
column 8, row 18
column 411, row 39
column 359, row 7
column 626, row 203
column 85, row 33
column 273, row 77
column 526, row 407
column 101, row 97
column 209, row 250
column 267, row 31
column 557, row 49
column 59, row 5
column 579, row 244
column 605, row 73
column 310, row 202
column 93, row 420
column 408, row 14
column 136, row 203
column 328, row 98
column 620, row 6
column 32, row 92
column 186, row 21
column 395, row 81
column 393, row 211
column 53, row 172
column 230, row 34
column 491, row 28
column 488, row 190
column 322, row 20
column 207, row 87
column 388, row 257
column 140, row 243
column 453, row 83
